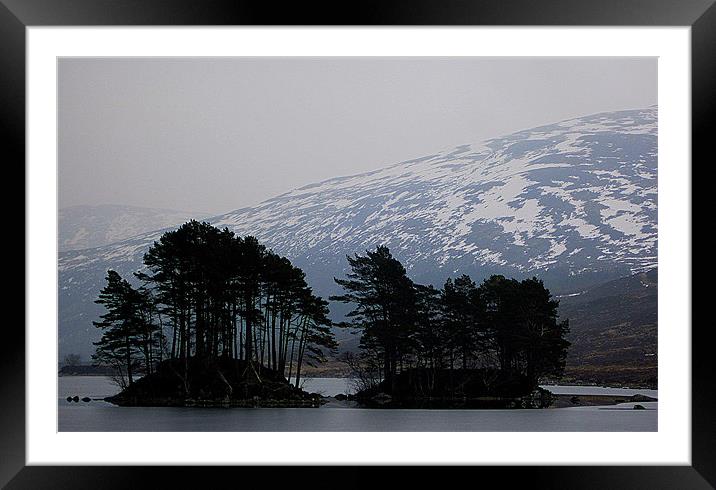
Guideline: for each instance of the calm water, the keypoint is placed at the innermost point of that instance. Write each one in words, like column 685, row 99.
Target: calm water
column 102, row 416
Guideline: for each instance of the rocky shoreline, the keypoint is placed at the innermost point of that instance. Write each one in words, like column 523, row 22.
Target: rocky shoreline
column 537, row 399
column 311, row 401
column 563, row 401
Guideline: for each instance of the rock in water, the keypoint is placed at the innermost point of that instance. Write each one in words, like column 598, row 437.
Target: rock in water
column 382, row 399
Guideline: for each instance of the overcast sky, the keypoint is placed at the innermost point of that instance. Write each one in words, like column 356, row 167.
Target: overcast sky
column 212, row 135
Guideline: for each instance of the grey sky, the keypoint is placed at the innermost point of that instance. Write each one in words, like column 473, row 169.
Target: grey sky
column 213, row 135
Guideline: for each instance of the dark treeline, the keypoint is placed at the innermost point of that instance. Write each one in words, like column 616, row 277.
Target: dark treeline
column 209, row 295
column 500, row 325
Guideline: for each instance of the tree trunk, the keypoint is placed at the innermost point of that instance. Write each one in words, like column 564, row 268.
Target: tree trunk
column 249, row 330
column 128, row 359
column 273, row 340
column 387, row 371
column 301, row 347
column 290, row 364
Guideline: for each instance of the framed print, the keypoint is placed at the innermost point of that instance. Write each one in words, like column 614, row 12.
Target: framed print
column 418, row 235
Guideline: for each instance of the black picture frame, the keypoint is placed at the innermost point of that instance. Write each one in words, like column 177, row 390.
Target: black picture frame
column 16, row 15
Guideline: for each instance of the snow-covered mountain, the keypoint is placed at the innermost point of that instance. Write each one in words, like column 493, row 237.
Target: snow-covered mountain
column 574, row 203
column 93, row 226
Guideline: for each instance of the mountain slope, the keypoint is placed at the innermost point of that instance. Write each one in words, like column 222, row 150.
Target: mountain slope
column 93, row 226
column 573, row 202
column 517, row 201
column 613, row 330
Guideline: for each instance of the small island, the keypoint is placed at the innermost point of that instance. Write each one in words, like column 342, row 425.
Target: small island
column 462, row 346
column 217, row 320
column 218, row 383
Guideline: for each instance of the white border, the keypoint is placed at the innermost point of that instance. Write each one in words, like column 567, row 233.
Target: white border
column 670, row 445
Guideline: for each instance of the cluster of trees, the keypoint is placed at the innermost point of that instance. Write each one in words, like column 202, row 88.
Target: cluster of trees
column 208, row 294
column 502, row 323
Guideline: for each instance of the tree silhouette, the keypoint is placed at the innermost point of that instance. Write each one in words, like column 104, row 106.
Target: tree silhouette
column 384, row 299
column 208, row 296
column 501, row 326
column 220, row 297
column 122, row 326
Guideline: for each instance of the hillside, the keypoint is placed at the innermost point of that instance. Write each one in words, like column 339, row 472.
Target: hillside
column 614, row 331
column 94, row 226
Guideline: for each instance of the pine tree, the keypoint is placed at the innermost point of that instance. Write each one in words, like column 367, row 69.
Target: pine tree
column 431, row 334
column 121, row 326
column 462, row 317
column 384, row 299
column 540, row 337
column 314, row 332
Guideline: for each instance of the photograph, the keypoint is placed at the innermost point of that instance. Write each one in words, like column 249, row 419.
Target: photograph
column 357, row 244
column 332, row 245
